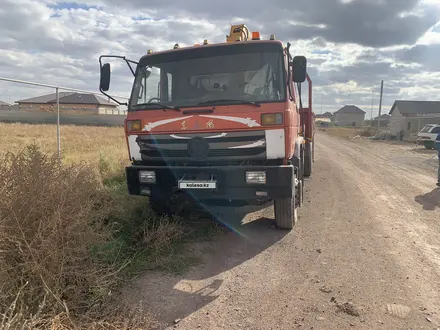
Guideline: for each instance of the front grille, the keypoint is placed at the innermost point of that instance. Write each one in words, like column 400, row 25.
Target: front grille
column 167, row 153
column 243, row 145
column 156, row 140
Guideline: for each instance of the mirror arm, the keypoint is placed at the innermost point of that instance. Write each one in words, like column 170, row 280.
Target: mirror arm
column 120, row 57
column 111, row 97
column 288, row 51
column 289, row 71
column 129, row 65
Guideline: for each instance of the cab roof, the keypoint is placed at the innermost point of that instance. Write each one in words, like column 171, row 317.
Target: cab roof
column 221, row 44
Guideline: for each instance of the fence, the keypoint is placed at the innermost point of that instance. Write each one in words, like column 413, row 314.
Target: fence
column 74, row 115
column 63, row 108
column 19, row 116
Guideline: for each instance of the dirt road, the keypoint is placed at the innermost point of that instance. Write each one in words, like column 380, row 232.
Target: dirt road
column 364, row 255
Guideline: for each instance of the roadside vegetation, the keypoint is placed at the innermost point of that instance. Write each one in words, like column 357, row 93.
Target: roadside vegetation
column 91, row 145
column 349, row 132
column 70, row 236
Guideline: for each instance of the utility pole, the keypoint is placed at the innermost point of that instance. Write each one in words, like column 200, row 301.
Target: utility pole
column 371, row 111
column 380, row 104
column 321, row 103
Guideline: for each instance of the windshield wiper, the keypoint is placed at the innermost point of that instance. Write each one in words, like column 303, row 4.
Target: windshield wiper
column 160, row 105
column 219, row 101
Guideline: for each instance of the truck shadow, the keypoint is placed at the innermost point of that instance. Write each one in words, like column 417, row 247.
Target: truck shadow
column 173, row 297
column 430, row 201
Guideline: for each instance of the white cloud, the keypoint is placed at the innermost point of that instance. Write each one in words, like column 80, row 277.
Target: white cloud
column 350, row 45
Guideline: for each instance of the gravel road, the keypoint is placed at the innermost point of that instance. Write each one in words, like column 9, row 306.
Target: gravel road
column 364, row 255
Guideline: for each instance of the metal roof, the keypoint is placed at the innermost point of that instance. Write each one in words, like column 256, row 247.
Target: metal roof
column 4, row 103
column 350, row 109
column 325, row 115
column 69, row 98
column 416, row 107
column 44, row 98
column 81, row 98
column 384, row 116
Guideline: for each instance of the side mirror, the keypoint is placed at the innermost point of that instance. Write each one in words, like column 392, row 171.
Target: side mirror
column 146, row 73
column 299, row 65
column 104, row 83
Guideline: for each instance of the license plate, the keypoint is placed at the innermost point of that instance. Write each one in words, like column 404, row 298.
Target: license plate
column 197, row 184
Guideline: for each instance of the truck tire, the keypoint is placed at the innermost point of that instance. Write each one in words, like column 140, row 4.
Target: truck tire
column 286, row 210
column 286, row 213
column 301, row 177
column 160, row 207
column 308, row 160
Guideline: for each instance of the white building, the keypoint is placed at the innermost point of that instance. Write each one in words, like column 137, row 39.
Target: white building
column 409, row 117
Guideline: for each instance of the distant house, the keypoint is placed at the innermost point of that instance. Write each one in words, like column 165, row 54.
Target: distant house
column 326, row 115
column 385, row 117
column 384, row 120
column 350, row 115
column 4, row 104
column 409, row 117
column 324, row 119
column 70, row 102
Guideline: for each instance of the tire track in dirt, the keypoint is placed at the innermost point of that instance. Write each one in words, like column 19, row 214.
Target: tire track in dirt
column 413, row 231
column 350, row 245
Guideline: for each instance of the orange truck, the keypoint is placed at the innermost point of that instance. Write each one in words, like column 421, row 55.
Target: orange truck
column 219, row 122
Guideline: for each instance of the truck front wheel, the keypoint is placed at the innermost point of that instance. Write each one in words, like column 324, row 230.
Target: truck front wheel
column 160, row 207
column 161, row 201
column 308, row 159
column 286, row 209
column 286, row 213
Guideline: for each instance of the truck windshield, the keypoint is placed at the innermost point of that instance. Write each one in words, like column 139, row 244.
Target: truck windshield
column 224, row 74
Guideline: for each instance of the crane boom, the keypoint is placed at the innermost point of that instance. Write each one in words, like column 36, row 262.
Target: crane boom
column 238, row 32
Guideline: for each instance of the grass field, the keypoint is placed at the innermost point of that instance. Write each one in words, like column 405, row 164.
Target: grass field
column 78, row 143
column 70, row 234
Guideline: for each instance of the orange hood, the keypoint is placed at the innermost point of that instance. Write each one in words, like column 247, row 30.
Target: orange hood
column 209, row 118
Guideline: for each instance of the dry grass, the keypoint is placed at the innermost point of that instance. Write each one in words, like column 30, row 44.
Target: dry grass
column 78, row 143
column 341, row 132
column 48, row 222
column 349, row 132
column 67, row 240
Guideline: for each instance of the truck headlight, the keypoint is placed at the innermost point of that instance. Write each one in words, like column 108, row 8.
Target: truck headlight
column 271, row 119
column 134, row 125
column 147, row 177
column 256, row 177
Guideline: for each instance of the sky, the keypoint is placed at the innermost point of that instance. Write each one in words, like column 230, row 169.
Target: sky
column 351, row 45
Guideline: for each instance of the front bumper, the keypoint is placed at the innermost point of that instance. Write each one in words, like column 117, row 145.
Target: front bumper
column 230, row 180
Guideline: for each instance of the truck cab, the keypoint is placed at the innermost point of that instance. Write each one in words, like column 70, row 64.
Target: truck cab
column 219, row 122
